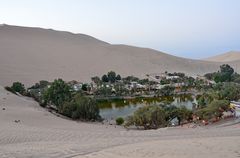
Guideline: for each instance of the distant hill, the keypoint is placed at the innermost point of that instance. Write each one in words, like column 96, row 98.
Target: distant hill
column 32, row 54
column 226, row 57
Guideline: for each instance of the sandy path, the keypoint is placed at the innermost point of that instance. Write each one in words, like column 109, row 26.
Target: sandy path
column 41, row 134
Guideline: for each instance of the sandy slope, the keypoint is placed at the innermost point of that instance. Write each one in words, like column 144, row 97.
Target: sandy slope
column 41, row 134
column 32, row 54
column 223, row 147
column 226, row 57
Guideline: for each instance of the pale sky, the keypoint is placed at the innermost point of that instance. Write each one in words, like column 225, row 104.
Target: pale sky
column 186, row 28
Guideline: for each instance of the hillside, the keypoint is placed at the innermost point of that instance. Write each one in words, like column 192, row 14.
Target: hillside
column 32, row 54
column 226, row 57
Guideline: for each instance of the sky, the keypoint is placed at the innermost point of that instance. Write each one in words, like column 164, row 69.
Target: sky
column 187, row 28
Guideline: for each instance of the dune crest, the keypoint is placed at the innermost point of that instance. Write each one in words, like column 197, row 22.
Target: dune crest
column 226, row 57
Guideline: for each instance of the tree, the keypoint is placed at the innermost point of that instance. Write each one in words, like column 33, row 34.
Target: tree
column 130, row 79
column 210, row 76
column 86, row 108
column 85, row 87
column 225, row 68
column 111, row 76
column 120, row 89
column 118, row 78
column 236, row 78
column 166, row 91
column 225, row 74
column 18, row 87
column 81, row 108
column 104, row 91
column 96, row 80
column 229, row 91
column 58, row 93
column 43, row 84
column 105, row 78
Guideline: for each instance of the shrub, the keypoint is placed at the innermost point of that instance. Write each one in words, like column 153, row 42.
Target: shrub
column 68, row 109
column 119, row 121
column 18, row 87
column 181, row 113
column 213, row 110
column 81, row 108
column 149, row 117
column 10, row 90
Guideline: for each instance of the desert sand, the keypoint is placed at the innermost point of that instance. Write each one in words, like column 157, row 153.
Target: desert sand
column 27, row 130
column 32, row 54
column 226, row 57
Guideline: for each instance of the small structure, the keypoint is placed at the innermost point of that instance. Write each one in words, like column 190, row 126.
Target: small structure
column 76, row 86
column 236, row 106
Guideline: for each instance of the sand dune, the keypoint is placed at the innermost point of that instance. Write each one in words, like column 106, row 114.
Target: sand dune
column 188, row 148
column 226, row 57
column 42, row 134
column 31, row 54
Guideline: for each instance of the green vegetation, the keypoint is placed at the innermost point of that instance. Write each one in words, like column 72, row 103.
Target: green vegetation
column 181, row 113
column 17, row 87
column 81, row 108
column 149, row 117
column 111, row 77
column 213, row 110
column 166, row 91
column 153, row 117
column 224, row 75
column 119, row 121
column 85, row 87
column 73, row 105
column 78, row 101
column 58, row 93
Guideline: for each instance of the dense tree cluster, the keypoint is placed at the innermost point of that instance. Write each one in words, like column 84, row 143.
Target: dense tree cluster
column 74, row 106
column 226, row 74
column 111, row 77
column 166, row 91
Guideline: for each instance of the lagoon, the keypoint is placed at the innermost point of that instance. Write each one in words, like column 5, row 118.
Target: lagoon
column 111, row 109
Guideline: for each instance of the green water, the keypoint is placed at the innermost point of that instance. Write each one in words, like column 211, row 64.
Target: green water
column 111, row 109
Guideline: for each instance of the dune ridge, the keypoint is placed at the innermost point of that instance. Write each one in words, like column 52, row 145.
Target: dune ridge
column 225, row 57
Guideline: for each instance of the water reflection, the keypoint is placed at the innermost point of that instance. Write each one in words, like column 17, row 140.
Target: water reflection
column 111, row 109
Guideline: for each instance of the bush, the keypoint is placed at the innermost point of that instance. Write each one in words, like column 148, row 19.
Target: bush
column 181, row 113
column 68, row 109
column 119, row 121
column 213, row 110
column 18, row 87
column 81, row 108
column 149, row 117
column 10, row 90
